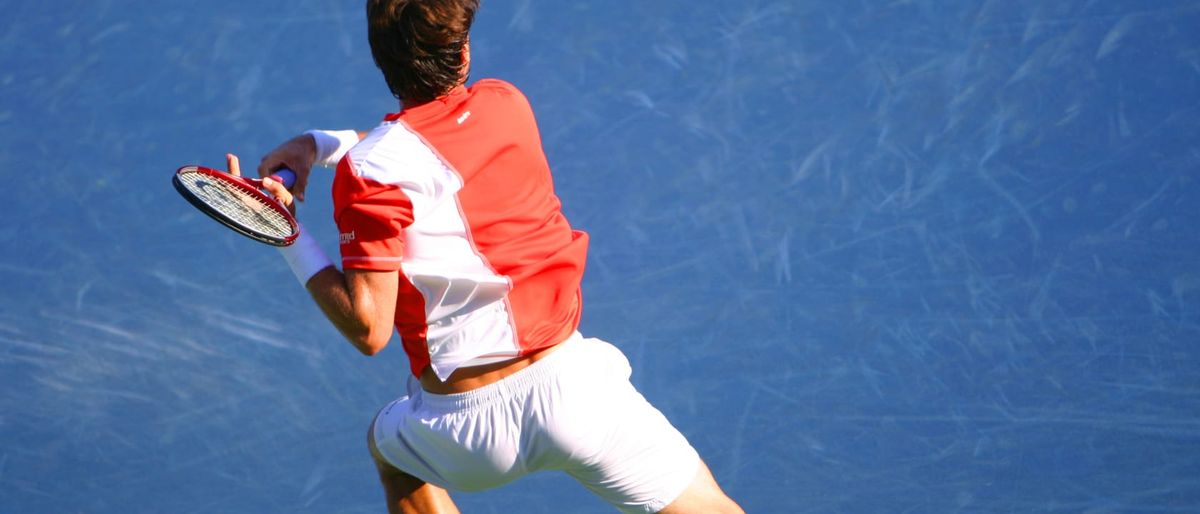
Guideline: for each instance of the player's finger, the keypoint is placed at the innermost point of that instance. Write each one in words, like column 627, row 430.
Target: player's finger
column 300, row 185
column 234, row 166
column 278, row 191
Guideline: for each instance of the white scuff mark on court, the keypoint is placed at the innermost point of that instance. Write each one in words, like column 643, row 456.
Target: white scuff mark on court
column 1033, row 63
column 187, row 347
column 1129, row 218
column 172, row 280
column 35, row 352
column 743, row 237
column 783, row 270
column 1122, row 121
column 79, row 295
column 1022, row 212
column 310, row 493
column 837, row 246
column 1181, row 286
column 86, row 392
column 1033, row 27
column 522, row 18
column 190, row 411
column 1112, row 40
column 108, row 32
column 739, row 437
column 642, row 99
column 748, row 22
column 246, row 94
column 819, row 153
column 673, row 55
column 253, row 322
column 105, row 328
column 1037, row 308
column 255, row 336
column 253, row 329
column 24, row 270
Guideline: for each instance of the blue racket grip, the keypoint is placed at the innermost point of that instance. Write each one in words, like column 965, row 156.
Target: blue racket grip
column 285, row 176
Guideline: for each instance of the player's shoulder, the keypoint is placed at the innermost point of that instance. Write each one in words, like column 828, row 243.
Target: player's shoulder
column 496, row 86
column 499, row 90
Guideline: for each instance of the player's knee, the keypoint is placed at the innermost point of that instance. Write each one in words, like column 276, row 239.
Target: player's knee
column 374, row 448
column 703, row 495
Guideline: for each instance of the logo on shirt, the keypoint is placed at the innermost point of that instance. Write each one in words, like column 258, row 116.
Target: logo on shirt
column 346, row 237
column 464, row 117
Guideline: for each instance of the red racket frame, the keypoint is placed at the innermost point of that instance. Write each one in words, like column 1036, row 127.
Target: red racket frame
column 250, row 186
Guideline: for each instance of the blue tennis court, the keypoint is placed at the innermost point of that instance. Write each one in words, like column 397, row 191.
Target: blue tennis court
column 869, row 257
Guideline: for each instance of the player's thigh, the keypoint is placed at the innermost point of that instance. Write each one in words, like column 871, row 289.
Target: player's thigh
column 405, row 493
column 394, row 480
column 614, row 442
column 702, row 496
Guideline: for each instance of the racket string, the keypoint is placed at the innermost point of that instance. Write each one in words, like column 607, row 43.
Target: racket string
column 239, row 205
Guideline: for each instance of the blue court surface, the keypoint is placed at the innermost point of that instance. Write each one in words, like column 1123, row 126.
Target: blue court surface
column 870, row 256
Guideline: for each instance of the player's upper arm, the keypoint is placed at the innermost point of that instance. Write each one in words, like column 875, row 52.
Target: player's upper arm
column 373, row 299
column 371, row 217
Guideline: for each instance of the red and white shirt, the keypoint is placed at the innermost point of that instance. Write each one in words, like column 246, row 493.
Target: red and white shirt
column 457, row 195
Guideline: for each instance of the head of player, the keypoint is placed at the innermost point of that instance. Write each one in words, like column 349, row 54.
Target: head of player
column 421, row 46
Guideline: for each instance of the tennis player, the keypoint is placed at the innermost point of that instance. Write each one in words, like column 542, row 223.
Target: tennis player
column 451, row 235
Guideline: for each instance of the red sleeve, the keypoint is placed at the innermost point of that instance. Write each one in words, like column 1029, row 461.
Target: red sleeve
column 371, row 218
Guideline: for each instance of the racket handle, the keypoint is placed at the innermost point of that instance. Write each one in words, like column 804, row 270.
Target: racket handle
column 285, row 176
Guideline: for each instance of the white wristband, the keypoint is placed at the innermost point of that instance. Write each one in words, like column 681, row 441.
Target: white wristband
column 305, row 256
column 332, row 145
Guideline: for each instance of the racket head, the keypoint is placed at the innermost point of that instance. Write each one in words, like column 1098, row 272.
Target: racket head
column 237, row 203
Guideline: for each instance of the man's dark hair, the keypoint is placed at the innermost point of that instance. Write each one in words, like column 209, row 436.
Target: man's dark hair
column 418, row 44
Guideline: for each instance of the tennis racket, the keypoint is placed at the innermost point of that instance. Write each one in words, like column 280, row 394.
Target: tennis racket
column 239, row 203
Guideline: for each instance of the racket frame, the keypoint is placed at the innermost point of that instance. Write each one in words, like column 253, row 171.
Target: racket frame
column 253, row 187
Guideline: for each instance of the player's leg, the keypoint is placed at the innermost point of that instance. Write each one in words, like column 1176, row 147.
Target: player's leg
column 405, row 493
column 617, row 444
column 703, row 496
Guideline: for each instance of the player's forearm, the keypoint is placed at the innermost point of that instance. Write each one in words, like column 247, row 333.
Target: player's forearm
column 349, row 300
column 350, row 313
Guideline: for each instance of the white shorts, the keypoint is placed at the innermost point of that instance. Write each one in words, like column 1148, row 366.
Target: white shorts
column 574, row 411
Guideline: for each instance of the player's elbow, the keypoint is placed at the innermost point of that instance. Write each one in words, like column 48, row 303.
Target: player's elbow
column 367, row 341
column 370, row 348
column 370, row 344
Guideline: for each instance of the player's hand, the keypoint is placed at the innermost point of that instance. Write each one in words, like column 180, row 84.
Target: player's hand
column 272, row 186
column 296, row 154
